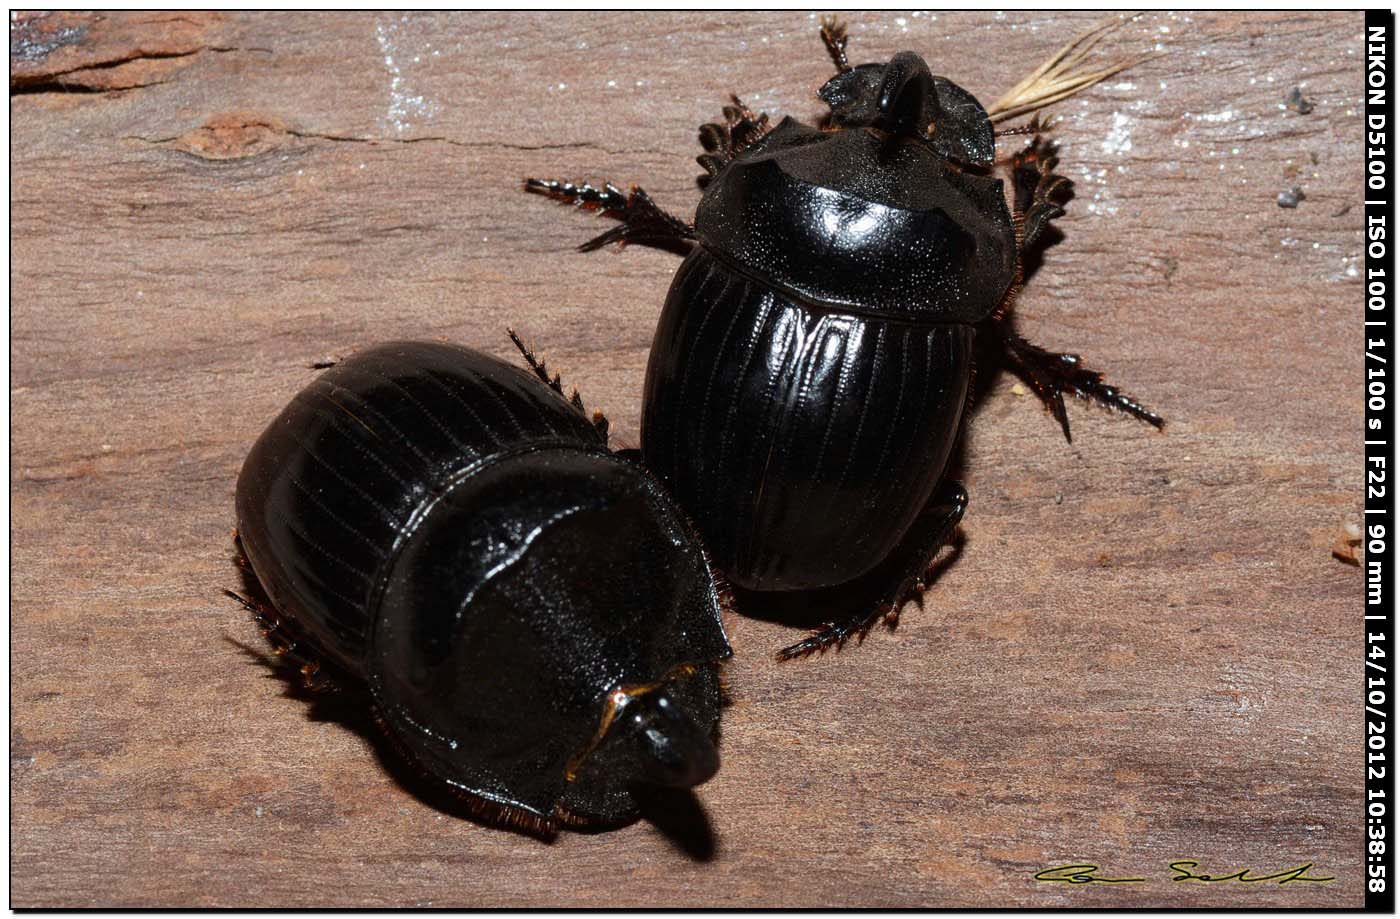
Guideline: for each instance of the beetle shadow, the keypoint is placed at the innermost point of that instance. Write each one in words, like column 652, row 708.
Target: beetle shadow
column 1050, row 236
column 810, row 609
column 677, row 814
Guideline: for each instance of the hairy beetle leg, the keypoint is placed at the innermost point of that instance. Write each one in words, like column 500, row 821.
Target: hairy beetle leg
column 835, row 38
column 642, row 221
column 537, row 365
column 1033, row 129
column 933, row 530
column 1039, row 190
column 285, row 645
column 722, row 142
column 1050, row 375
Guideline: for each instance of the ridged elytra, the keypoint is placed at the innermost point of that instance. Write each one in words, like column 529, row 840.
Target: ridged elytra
column 529, row 614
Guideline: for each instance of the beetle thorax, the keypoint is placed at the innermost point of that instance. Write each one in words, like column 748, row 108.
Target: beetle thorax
column 862, row 220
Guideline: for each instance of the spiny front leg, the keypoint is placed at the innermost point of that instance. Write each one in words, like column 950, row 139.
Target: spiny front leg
column 642, row 221
column 722, row 142
column 290, row 654
column 1039, row 190
column 902, row 578
column 1033, row 129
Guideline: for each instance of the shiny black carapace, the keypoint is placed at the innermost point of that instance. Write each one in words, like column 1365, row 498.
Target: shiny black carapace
column 808, row 377
column 530, row 615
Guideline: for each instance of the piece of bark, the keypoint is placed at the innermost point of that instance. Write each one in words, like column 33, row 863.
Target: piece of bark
column 72, row 51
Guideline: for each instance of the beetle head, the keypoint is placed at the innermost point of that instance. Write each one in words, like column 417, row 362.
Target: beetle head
column 902, row 98
column 896, row 97
column 669, row 748
column 540, row 580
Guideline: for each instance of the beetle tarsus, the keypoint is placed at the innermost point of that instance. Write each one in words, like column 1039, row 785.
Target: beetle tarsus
column 582, row 194
column 830, row 636
column 1034, row 129
column 536, row 364
column 642, row 221
column 933, row 530
column 1050, row 375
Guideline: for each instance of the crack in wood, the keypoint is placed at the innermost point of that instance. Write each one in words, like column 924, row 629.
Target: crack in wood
column 273, row 126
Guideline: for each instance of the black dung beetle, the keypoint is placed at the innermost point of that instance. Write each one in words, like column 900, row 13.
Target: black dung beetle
column 810, row 369
column 532, row 617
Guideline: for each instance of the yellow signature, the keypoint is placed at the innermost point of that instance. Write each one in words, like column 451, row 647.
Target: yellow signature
column 1182, row 870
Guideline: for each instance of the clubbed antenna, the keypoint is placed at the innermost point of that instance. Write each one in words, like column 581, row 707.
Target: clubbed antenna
column 1063, row 75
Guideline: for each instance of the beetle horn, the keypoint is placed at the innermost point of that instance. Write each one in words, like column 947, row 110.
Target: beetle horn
column 908, row 103
column 674, row 751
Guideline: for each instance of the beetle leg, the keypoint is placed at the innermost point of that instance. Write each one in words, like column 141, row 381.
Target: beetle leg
column 642, row 221
column 285, row 646
column 835, row 38
column 722, row 142
column 599, row 420
column 913, row 570
column 1033, row 129
column 1039, row 190
column 1051, row 375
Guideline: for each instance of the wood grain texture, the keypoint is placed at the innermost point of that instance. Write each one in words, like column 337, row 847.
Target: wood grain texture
column 1144, row 652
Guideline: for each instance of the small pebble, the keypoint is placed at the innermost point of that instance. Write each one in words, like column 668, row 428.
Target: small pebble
column 1298, row 102
column 1059, row 499
column 1291, row 197
column 1347, row 547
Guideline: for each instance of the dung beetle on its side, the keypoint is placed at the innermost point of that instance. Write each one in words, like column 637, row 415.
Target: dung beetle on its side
column 532, row 617
column 810, row 368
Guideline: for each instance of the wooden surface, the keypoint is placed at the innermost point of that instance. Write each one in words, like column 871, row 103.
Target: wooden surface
column 1144, row 652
